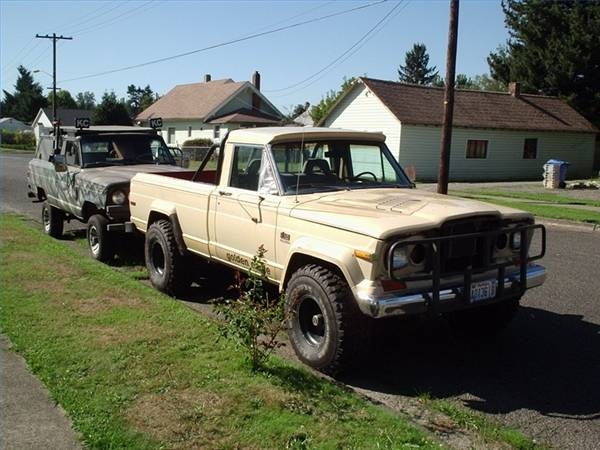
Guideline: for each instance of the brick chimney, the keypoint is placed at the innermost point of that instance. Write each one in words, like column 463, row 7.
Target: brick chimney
column 207, row 78
column 255, row 97
column 514, row 89
column 256, row 80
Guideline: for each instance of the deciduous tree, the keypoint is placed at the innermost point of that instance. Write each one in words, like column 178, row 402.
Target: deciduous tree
column 111, row 111
column 318, row 111
column 64, row 99
column 86, row 100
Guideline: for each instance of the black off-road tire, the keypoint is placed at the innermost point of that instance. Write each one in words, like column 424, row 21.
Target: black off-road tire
column 53, row 220
column 168, row 269
column 484, row 322
column 100, row 240
column 325, row 326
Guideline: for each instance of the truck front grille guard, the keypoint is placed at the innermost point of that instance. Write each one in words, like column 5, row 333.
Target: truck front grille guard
column 437, row 246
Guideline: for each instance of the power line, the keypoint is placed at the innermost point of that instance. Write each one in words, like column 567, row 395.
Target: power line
column 348, row 52
column 111, row 20
column 223, row 44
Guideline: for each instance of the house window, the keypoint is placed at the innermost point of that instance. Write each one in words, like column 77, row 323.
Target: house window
column 477, row 148
column 530, row 148
column 189, row 131
column 170, row 135
column 217, row 132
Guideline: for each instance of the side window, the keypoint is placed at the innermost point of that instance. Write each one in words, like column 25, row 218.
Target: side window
column 530, row 148
column 477, row 149
column 368, row 161
column 72, row 153
column 246, row 167
column 45, row 148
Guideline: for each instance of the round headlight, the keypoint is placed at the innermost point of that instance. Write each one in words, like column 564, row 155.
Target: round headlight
column 417, row 254
column 399, row 258
column 515, row 241
column 501, row 241
column 118, row 197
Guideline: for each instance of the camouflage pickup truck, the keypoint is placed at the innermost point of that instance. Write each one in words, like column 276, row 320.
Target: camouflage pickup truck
column 85, row 174
column 347, row 236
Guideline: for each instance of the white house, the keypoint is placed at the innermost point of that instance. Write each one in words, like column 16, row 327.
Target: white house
column 496, row 135
column 42, row 124
column 211, row 108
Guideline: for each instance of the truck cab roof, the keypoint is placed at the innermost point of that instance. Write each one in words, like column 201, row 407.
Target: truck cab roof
column 270, row 135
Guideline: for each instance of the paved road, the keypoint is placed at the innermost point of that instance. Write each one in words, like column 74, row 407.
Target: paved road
column 542, row 376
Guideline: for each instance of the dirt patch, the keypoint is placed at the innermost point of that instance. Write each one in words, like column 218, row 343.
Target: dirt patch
column 108, row 336
column 105, row 302
column 187, row 418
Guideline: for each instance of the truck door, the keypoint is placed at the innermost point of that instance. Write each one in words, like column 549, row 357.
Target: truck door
column 68, row 190
column 246, row 211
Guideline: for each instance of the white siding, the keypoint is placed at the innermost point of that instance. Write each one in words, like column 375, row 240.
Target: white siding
column 362, row 110
column 420, row 146
column 199, row 130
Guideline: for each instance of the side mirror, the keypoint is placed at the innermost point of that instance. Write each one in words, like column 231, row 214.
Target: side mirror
column 60, row 164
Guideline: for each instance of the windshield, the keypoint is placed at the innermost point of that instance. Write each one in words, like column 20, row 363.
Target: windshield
column 332, row 165
column 120, row 149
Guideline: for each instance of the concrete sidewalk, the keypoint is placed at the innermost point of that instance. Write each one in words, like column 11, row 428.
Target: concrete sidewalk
column 29, row 418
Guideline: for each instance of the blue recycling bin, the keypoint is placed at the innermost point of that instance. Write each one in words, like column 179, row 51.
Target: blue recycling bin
column 564, row 165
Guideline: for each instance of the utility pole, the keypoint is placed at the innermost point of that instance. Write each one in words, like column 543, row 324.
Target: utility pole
column 54, row 38
column 448, row 100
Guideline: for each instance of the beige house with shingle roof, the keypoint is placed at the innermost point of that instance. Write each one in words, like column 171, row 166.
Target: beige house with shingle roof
column 496, row 135
column 211, row 108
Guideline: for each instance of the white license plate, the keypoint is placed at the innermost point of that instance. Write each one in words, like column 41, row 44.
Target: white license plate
column 482, row 290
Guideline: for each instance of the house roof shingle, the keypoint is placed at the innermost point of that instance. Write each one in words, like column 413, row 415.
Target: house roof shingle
column 182, row 102
column 422, row 105
column 245, row 116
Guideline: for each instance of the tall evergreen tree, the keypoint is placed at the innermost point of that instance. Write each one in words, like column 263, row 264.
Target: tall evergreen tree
column 111, row 111
column 138, row 99
column 27, row 99
column 554, row 49
column 416, row 68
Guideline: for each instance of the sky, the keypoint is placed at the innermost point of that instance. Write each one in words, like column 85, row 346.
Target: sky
column 302, row 49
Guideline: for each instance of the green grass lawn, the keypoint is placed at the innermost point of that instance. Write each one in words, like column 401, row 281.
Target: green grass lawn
column 562, row 199
column 136, row 370
column 550, row 206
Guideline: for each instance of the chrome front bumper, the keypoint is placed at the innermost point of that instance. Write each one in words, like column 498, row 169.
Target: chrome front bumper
column 450, row 298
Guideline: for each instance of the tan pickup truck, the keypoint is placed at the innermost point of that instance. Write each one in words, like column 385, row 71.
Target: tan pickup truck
column 348, row 238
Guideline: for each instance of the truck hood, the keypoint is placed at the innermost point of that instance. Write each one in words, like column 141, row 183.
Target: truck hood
column 381, row 213
column 121, row 174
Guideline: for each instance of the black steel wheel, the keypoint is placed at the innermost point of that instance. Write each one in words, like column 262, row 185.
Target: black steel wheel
column 100, row 241
column 167, row 268
column 53, row 220
column 323, row 320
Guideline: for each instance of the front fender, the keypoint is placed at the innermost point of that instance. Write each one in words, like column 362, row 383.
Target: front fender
column 306, row 250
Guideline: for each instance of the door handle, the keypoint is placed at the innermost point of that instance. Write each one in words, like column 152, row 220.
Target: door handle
column 225, row 193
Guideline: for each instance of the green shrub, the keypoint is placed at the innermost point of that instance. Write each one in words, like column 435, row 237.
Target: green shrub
column 254, row 321
column 17, row 139
column 199, row 142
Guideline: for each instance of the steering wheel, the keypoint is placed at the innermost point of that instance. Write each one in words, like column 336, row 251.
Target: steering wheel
column 358, row 176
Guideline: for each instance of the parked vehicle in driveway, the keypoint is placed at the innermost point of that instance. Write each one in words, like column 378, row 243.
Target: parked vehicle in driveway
column 347, row 238
column 83, row 174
